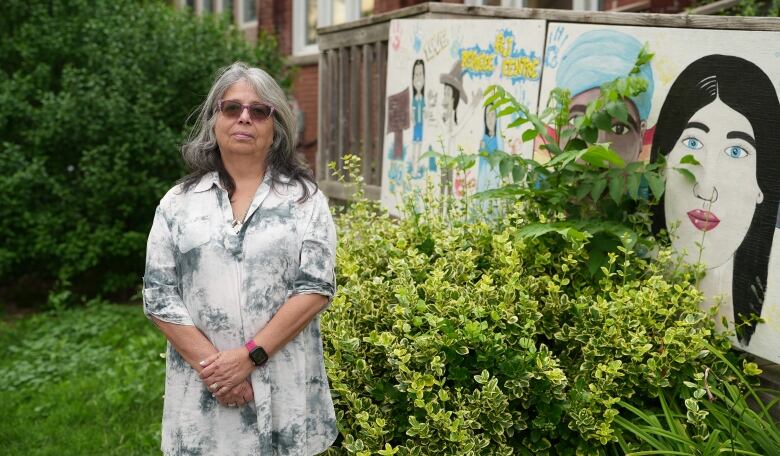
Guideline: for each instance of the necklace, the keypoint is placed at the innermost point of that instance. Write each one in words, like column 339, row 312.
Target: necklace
column 237, row 222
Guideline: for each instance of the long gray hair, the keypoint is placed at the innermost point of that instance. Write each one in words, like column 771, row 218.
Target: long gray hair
column 201, row 151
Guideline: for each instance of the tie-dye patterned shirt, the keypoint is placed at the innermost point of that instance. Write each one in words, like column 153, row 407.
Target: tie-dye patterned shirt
column 201, row 271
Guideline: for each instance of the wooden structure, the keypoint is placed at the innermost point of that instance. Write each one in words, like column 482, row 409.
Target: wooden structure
column 352, row 74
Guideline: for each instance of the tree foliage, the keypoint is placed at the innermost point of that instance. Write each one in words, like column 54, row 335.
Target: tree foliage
column 94, row 96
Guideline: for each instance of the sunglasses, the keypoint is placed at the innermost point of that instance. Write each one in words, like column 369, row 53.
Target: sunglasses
column 257, row 111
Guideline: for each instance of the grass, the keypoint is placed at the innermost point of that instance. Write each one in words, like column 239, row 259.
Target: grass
column 86, row 381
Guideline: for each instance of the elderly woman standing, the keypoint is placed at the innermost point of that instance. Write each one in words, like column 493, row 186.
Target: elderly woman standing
column 239, row 265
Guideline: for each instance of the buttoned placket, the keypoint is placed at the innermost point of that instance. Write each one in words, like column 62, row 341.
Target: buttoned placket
column 234, row 242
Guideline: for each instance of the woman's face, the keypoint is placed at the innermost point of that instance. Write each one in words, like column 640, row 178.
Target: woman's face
column 242, row 135
column 625, row 138
column 418, row 77
column 716, row 212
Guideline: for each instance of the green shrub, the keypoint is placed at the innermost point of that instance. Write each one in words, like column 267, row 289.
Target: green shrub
column 94, row 96
column 454, row 335
column 521, row 331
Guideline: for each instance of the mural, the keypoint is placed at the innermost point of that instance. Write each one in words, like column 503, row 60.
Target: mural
column 712, row 96
column 437, row 74
column 722, row 110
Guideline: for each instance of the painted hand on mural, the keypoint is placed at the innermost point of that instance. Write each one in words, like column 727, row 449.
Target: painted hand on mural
column 555, row 44
column 430, row 101
column 417, row 40
column 395, row 35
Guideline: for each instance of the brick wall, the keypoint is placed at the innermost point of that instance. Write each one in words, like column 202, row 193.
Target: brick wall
column 305, row 92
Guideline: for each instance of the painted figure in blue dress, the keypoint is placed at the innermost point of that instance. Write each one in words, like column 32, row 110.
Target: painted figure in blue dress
column 489, row 177
column 418, row 108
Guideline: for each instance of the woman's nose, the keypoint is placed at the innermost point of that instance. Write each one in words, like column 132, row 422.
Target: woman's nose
column 705, row 192
column 244, row 117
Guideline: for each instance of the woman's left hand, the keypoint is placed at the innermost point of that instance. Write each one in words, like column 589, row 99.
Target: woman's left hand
column 225, row 370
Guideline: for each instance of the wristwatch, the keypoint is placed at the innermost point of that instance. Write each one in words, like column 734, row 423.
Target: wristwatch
column 256, row 353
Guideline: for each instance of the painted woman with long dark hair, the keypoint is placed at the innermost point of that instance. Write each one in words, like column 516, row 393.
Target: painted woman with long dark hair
column 724, row 112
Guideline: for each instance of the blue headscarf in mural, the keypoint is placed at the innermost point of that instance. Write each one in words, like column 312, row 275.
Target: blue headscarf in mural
column 602, row 56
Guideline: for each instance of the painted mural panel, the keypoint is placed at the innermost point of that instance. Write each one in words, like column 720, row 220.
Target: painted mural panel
column 437, row 72
column 713, row 95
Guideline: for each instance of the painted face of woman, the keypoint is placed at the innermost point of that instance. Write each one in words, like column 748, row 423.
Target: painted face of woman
column 714, row 213
column 418, row 77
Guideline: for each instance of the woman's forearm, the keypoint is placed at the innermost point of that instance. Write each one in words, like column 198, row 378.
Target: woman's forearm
column 291, row 318
column 191, row 344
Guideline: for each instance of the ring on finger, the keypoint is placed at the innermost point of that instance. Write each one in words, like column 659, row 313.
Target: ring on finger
column 214, row 386
column 232, row 404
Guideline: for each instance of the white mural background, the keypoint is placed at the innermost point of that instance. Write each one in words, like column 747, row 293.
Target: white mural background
column 437, row 72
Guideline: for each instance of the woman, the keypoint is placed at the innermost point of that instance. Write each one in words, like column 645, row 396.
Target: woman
column 488, row 177
column 239, row 264
column 723, row 111
column 418, row 108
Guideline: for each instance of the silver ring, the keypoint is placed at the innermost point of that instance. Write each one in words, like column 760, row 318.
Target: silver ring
column 233, row 405
column 214, row 386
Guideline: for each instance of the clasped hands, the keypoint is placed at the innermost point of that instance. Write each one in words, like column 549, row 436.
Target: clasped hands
column 225, row 375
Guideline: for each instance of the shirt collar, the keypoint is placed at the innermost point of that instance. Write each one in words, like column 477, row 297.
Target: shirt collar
column 207, row 181
column 211, row 179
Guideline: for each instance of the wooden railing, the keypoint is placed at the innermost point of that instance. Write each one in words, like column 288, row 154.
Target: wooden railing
column 353, row 72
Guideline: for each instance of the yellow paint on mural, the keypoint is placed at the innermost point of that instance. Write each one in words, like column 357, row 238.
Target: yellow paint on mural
column 503, row 45
column 477, row 62
column 521, row 67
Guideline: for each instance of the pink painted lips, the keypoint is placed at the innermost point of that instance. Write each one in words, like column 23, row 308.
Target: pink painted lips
column 703, row 220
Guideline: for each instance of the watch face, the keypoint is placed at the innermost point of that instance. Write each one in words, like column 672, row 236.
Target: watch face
column 259, row 356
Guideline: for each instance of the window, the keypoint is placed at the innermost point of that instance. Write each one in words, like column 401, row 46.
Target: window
column 248, row 12
column 206, row 6
column 311, row 22
column 310, row 14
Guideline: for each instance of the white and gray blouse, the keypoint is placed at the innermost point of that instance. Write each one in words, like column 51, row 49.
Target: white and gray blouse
column 229, row 283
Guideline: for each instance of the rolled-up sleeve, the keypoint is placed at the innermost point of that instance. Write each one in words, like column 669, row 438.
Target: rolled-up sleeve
column 162, row 297
column 316, row 273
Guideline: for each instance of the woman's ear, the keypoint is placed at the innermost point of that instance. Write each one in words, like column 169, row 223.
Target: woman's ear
column 760, row 198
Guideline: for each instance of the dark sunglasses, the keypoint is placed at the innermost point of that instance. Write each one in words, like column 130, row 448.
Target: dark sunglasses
column 257, row 111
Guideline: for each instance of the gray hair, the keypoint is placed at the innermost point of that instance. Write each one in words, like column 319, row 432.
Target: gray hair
column 201, row 151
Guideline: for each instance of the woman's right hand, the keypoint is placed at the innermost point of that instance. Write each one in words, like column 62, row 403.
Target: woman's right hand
column 238, row 396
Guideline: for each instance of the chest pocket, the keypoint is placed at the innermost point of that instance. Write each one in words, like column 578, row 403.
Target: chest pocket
column 193, row 234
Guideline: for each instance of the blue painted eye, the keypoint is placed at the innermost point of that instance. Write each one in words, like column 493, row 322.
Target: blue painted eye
column 692, row 143
column 736, row 152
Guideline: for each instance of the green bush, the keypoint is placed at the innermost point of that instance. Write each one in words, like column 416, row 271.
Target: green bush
column 453, row 335
column 94, row 96
column 514, row 326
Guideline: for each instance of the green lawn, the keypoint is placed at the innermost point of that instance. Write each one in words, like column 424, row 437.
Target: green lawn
column 87, row 381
